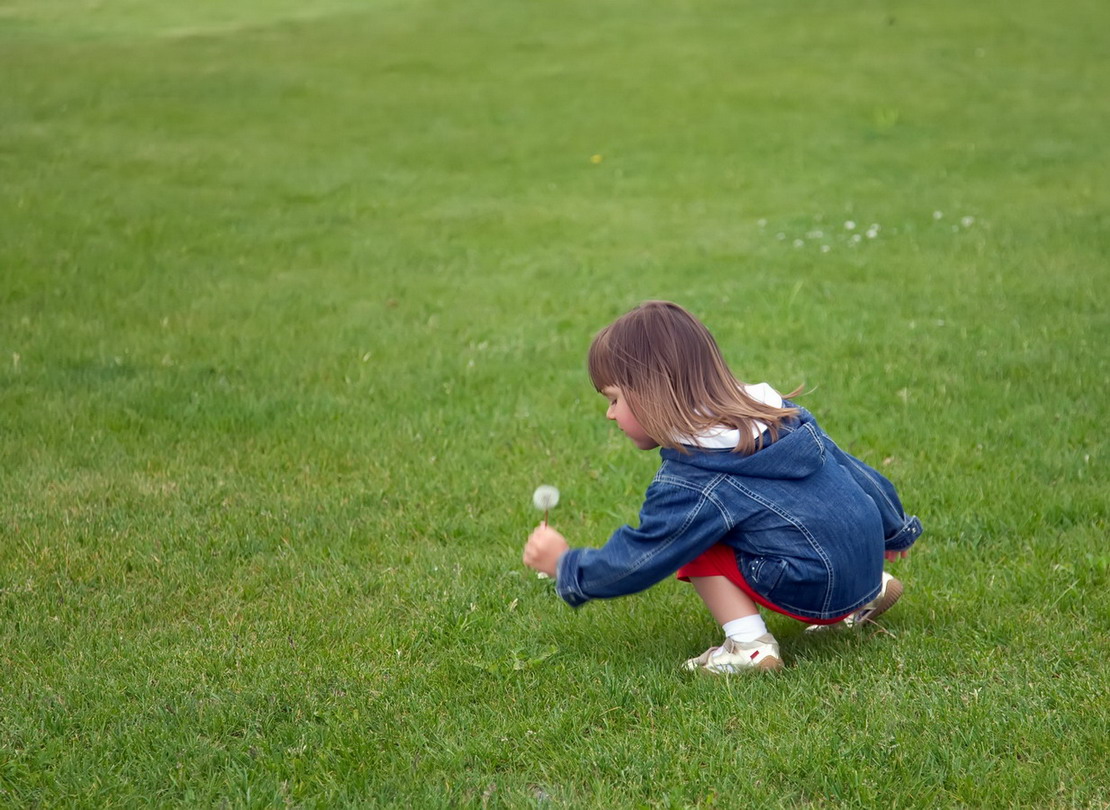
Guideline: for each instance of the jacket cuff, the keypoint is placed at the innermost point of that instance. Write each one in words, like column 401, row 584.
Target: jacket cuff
column 906, row 536
column 566, row 582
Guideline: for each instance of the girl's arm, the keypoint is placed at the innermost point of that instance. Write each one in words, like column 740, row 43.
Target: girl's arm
column 677, row 524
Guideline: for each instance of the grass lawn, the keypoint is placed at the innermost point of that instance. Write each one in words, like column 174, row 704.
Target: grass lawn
column 294, row 305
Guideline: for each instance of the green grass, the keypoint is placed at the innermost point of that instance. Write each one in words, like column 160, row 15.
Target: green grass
column 294, row 302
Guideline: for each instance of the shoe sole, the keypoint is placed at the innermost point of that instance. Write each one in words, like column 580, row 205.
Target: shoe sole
column 890, row 597
column 769, row 664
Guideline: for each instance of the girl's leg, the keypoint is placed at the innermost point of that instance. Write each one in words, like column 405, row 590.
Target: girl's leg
column 747, row 645
column 717, row 579
column 725, row 601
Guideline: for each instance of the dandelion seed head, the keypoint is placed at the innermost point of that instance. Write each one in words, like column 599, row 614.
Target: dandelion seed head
column 967, row 222
column 938, row 214
column 545, row 497
column 849, row 225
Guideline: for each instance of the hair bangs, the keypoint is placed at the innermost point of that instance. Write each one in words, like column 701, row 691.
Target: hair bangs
column 600, row 361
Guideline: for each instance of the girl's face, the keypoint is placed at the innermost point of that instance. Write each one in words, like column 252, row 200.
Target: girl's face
column 620, row 413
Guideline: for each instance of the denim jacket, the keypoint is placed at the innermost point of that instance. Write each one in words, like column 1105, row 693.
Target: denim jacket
column 809, row 524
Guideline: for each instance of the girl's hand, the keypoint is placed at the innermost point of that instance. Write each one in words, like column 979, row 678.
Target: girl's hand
column 543, row 549
column 896, row 555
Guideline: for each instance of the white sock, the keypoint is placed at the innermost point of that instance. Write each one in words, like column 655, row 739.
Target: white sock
column 746, row 628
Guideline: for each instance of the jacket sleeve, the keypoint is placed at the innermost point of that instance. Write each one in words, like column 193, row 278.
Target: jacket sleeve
column 899, row 530
column 677, row 524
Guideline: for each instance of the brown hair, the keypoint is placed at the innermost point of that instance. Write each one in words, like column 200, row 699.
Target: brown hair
column 671, row 374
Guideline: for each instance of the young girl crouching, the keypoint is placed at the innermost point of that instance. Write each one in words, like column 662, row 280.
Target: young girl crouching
column 753, row 503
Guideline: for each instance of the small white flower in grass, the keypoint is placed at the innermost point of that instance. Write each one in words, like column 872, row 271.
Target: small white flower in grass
column 872, row 233
column 780, row 236
column 815, row 234
column 849, row 225
column 762, row 223
column 856, row 238
column 967, row 222
column 938, row 215
column 799, row 243
column 825, row 248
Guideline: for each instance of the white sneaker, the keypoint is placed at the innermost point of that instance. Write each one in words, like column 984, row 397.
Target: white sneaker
column 736, row 656
column 889, row 592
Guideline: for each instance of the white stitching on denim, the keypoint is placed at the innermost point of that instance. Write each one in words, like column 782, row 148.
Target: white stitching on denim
column 804, row 532
column 866, row 470
column 817, row 440
column 707, row 492
column 671, row 538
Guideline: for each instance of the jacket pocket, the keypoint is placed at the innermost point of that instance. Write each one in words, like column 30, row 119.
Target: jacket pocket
column 764, row 574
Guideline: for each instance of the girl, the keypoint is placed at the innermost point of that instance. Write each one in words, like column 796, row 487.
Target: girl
column 753, row 504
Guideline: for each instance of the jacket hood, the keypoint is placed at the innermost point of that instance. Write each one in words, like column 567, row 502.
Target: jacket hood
column 798, row 453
